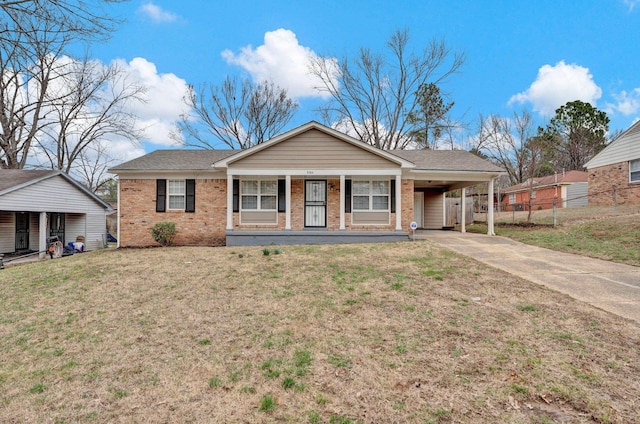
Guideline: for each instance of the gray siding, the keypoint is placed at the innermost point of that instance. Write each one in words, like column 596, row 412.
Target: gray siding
column 577, row 195
column 51, row 195
column 7, row 232
column 623, row 149
column 313, row 150
column 34, row 231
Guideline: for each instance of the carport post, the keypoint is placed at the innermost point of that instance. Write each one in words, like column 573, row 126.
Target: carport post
column 490, row 209
column 463, row 211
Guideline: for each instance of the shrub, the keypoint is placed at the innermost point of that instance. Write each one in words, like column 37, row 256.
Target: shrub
column 164, row 233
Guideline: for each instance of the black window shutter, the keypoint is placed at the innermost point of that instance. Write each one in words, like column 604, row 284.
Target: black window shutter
column 161, row 195
column 347, row 196
column 190, row 204
column 393, row 196
column 282, row 196
column 236, row 195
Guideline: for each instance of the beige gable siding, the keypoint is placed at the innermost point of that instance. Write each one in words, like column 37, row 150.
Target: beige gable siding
column 313, row 149
column 624, row 149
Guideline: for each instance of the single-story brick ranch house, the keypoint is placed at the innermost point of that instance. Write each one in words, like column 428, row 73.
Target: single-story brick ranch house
column 312, row 184
column 567, row 190
column 614, row 173
column 37, row 204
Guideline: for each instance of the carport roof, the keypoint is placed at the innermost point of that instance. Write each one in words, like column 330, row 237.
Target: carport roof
column 447, row 160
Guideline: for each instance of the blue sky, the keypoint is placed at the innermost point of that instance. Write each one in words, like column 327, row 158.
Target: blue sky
column 519, row 55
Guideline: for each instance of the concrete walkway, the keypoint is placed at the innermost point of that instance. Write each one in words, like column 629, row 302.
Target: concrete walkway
column 607, row 285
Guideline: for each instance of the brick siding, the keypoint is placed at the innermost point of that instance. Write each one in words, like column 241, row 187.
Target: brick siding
column 206, row 227
column 604, row 179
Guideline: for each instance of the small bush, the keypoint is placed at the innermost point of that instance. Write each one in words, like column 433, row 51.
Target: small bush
column 266, row 252
column 164, row 233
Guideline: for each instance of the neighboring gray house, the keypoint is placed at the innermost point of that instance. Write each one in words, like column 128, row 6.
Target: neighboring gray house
column 614, row 173
column 37, row 204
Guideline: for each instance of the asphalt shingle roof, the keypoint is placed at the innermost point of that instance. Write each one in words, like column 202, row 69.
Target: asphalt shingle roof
column 14, row 177
column 175, row 160
column 447, row 160
column 188, row 160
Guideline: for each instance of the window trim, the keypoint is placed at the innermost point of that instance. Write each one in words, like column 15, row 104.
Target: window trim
column 512, row 198
column 636, row 172
column 259, row 195
column 371, row 195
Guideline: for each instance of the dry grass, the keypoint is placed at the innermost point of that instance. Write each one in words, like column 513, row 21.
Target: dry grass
column 382, row 333
column 599, row 232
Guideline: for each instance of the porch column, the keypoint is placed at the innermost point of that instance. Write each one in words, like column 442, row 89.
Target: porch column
column 229, row 202
column 118, row 215
column 399, row 202
column 287, row 220
column 463, row 211
column 342, row 185
column 444, row 209
column 42, row 235
column 490, row 209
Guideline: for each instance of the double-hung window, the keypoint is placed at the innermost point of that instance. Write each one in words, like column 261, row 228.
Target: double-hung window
column 260, row 195
column 177, row 194
column 371, row 195
column 634, row 171
column 512, row 198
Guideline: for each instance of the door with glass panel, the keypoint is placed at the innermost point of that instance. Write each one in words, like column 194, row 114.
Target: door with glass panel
column 315, row 204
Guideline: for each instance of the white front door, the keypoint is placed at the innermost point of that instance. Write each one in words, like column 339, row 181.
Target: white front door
column 418, row 208
column 315, row 203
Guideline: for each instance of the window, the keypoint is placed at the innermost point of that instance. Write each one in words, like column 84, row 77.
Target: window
column 372, row 195
column 533, row 194
column 512, row 198
column 634, row 171
column 259, row 195
column 177, row 194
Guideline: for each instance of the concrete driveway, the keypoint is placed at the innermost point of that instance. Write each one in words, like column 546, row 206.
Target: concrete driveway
column 606, row 285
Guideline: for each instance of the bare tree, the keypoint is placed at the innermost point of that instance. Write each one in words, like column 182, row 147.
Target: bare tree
column 89, row 104
column 238, row 114
column 373, row 93
column 33, row 37
column 504, row 140
column 92, row 165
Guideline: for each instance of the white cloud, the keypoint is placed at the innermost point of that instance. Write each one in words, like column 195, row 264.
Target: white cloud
column 627, row 103
column 631, row 4
column 156, row 13
column 282, row 60
column 556, row 85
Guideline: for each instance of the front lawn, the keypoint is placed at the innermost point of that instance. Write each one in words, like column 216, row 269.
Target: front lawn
column 371, row 333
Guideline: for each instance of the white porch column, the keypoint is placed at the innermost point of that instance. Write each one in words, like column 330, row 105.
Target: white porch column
column 342, row 185
column 42, row 235
column 444, row 209
column 287, row 221
column 463, row 211
column 490, row 209
column 118, row 216
column 229, row 202
column 399, row 202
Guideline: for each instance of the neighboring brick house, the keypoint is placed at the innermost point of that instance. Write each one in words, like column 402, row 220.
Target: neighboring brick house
column 312, row 184
column 614, row 173
column 567, row 190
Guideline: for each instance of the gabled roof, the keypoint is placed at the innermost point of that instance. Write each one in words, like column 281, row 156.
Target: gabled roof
column 174, row 160
column 223, row 163
column 15, row 179
column 447, row 160
column 567, row 178
column 624, row 148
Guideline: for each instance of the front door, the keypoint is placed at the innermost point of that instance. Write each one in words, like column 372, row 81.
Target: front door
column 315, row 203
column 22, row 231
column 56, row 226
column 418, row 208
